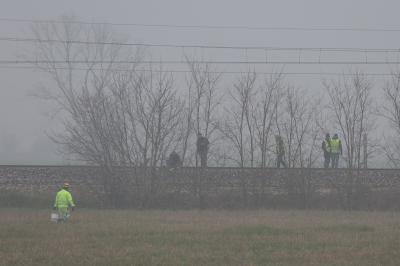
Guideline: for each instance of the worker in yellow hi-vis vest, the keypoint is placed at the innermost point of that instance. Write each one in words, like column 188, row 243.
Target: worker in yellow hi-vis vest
column 64, row 203
column 336, row 150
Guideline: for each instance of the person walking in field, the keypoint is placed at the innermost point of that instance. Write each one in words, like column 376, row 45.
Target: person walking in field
column 336, row 150
column 280, row 152
column 64, row 203
column 326, row 147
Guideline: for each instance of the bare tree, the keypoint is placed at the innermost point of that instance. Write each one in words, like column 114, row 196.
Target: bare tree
column 82, row 92
column 187, row 123
column 113, row 114
column 297, row 125
column 239, row 128
column 351, row 106
column 151, row 109
column 203, row 80
column 391, row 111
column 264, row 113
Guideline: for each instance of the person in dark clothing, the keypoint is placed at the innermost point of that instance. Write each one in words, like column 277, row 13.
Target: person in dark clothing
column 280, row 152
column 202, row 149
column 326, row 147
column 174, row 160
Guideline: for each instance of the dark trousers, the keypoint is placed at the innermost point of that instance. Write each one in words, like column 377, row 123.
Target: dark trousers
column 203, row 159
column 280, row 160
column 335, row 160
column 327, row 160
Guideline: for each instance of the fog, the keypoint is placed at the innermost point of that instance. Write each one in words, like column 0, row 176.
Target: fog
column 25, row 121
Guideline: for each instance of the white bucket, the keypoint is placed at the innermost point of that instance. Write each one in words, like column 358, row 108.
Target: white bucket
column 54, row 217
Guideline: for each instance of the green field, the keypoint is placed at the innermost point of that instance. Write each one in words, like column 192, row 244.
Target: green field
column 108, row 237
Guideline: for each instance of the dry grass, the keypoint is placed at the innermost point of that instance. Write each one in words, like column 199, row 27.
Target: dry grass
column 95, row 237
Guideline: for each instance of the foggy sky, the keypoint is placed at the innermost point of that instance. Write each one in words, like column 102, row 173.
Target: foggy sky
column 23, row 119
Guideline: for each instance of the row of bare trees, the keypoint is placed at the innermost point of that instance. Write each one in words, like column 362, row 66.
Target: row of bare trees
column 118, row 111
column 259, row 111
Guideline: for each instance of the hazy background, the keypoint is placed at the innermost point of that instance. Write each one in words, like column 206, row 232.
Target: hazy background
column 25, row 120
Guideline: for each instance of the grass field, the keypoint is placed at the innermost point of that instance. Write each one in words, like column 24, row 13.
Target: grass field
column 108, row 237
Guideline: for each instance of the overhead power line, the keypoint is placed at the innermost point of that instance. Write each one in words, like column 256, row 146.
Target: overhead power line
column 263, row 48
column 212, row 27
column 246, row 62
column 211, row 72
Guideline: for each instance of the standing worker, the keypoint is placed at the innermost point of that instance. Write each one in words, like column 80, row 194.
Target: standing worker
column 280, row 152
column 326, row 147
column 336, row 149
column 202, row 149
column 63, row 203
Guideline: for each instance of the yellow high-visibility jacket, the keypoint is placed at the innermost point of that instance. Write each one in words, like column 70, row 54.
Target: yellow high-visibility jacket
column 336, row 146
column 63, row 199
